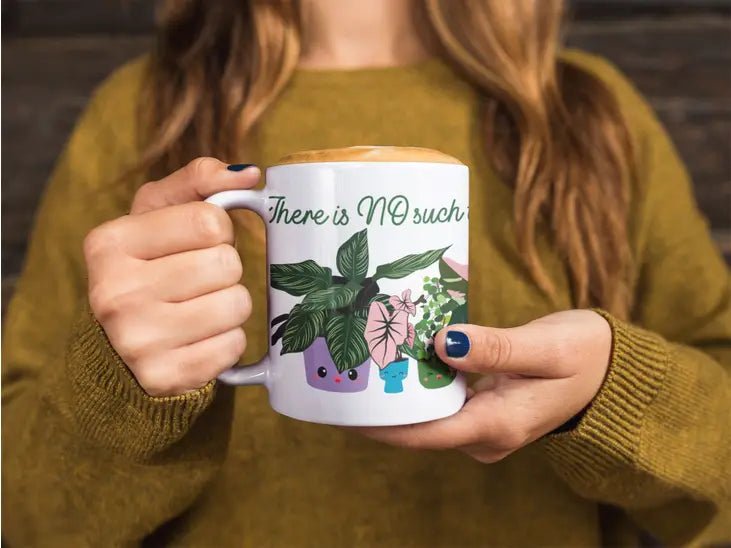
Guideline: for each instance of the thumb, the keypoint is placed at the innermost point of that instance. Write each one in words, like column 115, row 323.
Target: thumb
column 531, row 349
column 196, row 181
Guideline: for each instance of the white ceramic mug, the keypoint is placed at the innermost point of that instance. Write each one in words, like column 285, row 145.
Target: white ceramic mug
column 367, row 252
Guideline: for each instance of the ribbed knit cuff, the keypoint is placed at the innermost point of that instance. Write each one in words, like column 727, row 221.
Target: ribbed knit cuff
column 111, row 409
column 608, row 435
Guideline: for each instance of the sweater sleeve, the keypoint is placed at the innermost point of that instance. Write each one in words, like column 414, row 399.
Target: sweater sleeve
column 88, row 457
column 656, row 439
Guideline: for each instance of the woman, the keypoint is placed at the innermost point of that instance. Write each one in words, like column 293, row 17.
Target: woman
column 584, row 427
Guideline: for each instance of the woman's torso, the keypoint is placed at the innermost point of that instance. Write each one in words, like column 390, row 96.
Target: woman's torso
column 291, row 483
column 287, row 483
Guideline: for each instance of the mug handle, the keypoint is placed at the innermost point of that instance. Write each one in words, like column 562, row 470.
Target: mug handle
column 256, row 201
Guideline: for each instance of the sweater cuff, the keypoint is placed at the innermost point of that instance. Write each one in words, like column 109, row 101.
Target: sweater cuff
column 110, row 407
column 608, row 435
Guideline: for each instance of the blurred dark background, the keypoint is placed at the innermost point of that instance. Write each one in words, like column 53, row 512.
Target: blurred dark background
column 54, row 52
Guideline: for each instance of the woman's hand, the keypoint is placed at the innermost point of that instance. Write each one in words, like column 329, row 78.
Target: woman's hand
column 164, row 280
column 534, row 378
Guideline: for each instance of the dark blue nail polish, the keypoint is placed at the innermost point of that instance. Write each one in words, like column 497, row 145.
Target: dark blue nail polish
column 458, row 344
column 238, row 167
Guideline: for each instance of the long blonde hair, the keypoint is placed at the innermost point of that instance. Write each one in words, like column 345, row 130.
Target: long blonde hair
column 551, row 130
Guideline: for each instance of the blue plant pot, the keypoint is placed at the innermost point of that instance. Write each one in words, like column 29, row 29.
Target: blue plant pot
column 393, row 375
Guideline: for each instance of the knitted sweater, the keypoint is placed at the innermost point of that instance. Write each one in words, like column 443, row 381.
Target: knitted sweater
column 90, row 459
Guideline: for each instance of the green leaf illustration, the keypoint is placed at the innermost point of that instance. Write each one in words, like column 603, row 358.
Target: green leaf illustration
column 352, row 258
column 279, row 319
column 459, row 315
column 409, row 351
column 300, row 278
column 279, row 333
column 418, row 351
column 303, row 327
column 331, row 298
column 450, row 278
column 383, row 298
column 449, row 306
column 409, row 264
column 361, row 309
column 345, row 340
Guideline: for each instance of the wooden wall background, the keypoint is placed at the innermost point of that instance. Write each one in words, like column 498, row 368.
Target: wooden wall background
column 55, row 51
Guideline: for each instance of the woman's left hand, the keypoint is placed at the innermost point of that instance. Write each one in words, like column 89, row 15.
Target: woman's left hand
column 534, row 378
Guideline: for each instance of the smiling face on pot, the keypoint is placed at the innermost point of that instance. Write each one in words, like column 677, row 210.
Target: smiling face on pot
column 322, row 373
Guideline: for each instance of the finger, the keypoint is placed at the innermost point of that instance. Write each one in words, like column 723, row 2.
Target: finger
column 193, row 366
column 190, row 274
column 528, row 408
column 493, row 422
column 211, row 314
column 196, row 181
column 487, row 419
column 466, row 427
column 184, row 323
column 485, row 382
column 533, row 349
column 484, row 453
column 175, row 229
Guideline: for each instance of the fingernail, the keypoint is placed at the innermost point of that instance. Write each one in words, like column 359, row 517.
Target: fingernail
column 239, row 167
column 458, row 344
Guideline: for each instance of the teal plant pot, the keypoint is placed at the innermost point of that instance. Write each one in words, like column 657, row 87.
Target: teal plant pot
column 393, row 375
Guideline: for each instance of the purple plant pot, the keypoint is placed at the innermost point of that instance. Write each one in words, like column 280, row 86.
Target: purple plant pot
column 322, row 373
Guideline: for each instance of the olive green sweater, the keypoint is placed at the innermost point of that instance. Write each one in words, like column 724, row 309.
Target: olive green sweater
column 90, row 459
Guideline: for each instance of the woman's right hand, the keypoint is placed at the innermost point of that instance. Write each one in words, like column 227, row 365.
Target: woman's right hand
column 164, row 280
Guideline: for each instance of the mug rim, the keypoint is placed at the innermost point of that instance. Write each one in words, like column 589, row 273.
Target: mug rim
column 368, row 153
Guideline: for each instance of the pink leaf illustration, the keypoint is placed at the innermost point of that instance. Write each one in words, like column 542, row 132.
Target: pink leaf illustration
column 410, row 306
column 410, row 335
column 462, row 270
column 455, row 294
column 404, row 303
column 384, row 333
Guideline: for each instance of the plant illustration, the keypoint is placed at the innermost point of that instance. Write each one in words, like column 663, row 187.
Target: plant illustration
column 392, row 337
column 444, row 302
column 389, row 331
column 336, row 306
